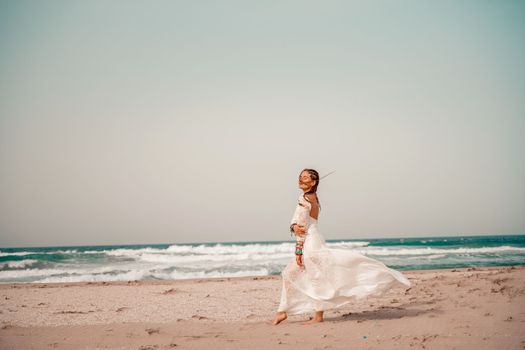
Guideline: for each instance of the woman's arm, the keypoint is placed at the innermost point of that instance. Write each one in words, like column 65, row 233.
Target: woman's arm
column 297, row 223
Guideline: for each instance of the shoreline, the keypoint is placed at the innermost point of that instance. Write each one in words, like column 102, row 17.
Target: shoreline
column 462, row 308
column 210, row 279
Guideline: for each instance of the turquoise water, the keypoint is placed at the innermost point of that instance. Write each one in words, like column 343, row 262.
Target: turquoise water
column 199, row 260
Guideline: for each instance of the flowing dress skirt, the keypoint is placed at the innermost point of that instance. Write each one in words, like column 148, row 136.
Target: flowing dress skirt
column 333, row 277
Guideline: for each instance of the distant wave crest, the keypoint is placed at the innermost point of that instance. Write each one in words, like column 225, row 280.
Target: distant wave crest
column 181, row 261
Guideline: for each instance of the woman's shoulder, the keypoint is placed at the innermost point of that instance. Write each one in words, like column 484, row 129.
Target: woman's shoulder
column 302, row 201
column 311, row 198
column 307, row 200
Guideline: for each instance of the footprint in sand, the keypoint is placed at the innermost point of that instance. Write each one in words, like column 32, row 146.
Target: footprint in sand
column 170, row 291
column 151, row 331
column 198, row 317
column 148, row 347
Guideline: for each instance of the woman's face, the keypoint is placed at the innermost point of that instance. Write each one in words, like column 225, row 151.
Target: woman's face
column 305, row 181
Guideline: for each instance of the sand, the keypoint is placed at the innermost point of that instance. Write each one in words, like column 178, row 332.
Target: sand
column 470, row 308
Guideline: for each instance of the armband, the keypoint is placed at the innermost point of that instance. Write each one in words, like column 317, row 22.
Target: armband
column 299, row 248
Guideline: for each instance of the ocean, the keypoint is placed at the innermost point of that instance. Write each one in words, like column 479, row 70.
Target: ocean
column 204, row 260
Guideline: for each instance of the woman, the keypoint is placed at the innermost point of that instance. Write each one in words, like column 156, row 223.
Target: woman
column 322, row 278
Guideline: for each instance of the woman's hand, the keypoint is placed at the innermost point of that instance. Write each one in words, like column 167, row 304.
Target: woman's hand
column 299, row 230
column 299, row 260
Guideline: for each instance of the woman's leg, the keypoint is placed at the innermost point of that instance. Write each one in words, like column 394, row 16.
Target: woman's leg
column 280, row 316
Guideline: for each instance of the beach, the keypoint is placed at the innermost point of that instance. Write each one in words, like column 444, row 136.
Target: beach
column 462, row 308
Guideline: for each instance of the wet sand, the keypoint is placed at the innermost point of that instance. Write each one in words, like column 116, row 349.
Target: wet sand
column 469, row 308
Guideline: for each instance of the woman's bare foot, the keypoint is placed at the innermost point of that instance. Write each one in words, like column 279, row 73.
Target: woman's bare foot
column 279, row 317
column 318, row 318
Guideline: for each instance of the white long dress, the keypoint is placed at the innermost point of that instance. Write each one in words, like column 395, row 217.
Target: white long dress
column 331, row 277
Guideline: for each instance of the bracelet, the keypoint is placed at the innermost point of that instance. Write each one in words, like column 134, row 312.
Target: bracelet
column 299, row 248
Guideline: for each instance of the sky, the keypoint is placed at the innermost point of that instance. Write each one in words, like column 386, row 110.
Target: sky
column 138, row 122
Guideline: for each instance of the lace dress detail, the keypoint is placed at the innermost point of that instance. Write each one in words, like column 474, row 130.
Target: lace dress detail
column 330, row 277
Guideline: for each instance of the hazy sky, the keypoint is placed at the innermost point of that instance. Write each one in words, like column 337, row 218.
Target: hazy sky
column 188, row 121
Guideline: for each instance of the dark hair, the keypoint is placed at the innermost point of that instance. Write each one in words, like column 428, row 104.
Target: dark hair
column 315, row 176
